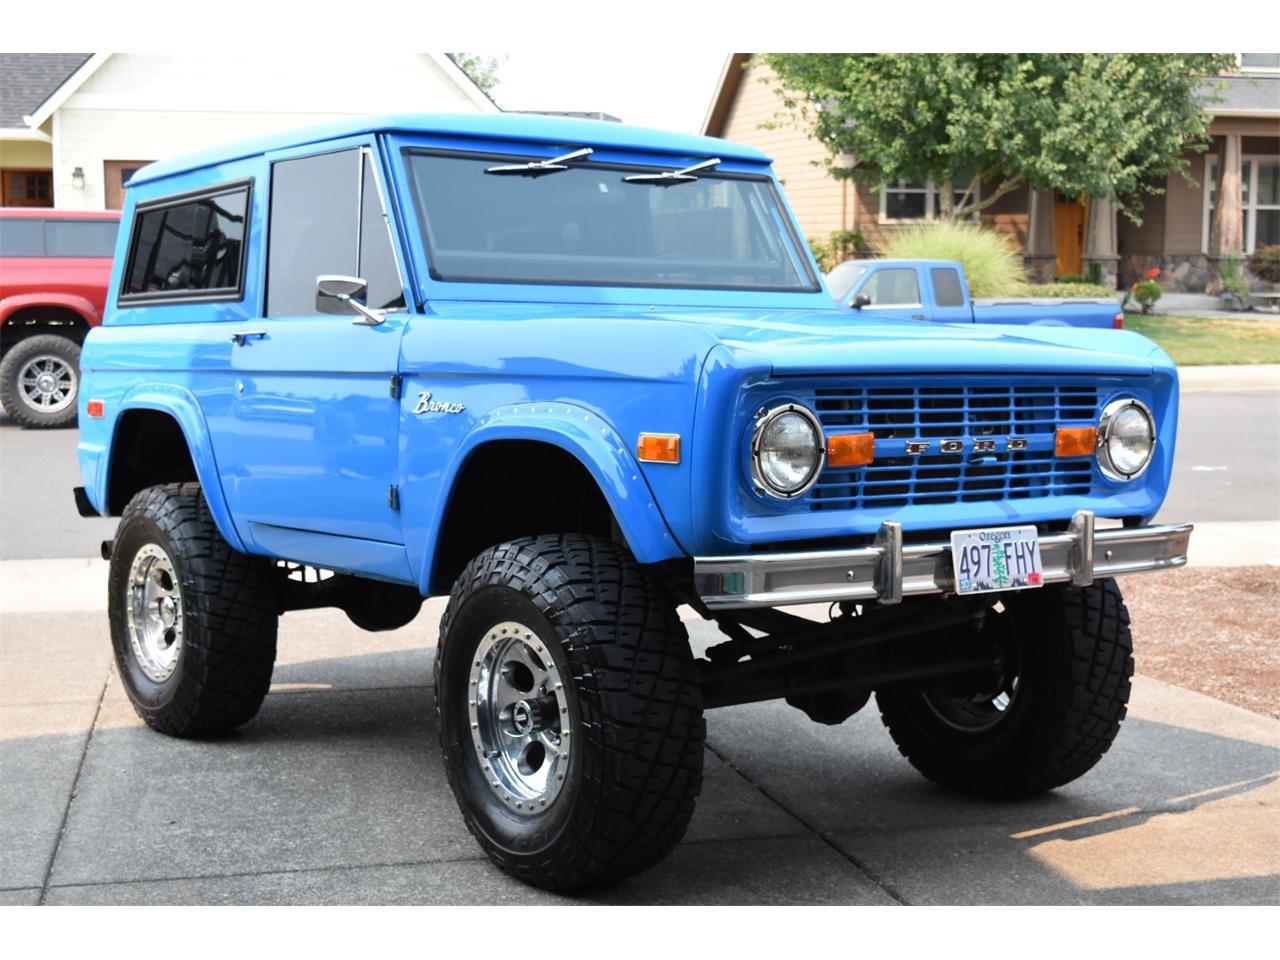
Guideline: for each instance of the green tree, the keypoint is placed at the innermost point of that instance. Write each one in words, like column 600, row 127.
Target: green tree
column 483, row 71
column 1107, row 125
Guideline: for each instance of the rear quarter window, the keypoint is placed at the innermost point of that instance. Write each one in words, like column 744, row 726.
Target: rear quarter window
column 188, row 247
column 21, row 237
column 80, row 238
column 946, row 287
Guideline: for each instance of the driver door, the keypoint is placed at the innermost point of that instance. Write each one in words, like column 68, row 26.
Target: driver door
column 311, row 452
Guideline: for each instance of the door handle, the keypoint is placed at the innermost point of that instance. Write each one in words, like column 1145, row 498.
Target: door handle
column 241, row 337
column 917, row 316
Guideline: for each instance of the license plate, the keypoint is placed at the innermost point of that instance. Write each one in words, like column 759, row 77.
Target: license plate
column 1005, row 558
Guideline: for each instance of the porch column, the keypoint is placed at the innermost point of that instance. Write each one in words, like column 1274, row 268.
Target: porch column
column 1041, row 256
column 1100, row 240
column 1226, row 233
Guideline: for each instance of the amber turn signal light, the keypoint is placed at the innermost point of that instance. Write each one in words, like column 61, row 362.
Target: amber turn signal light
column 1075, row 441
column 850, row 449
column 95, row 409
column 659, row 448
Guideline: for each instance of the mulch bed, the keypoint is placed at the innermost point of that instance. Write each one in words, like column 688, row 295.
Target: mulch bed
column 1211, row 629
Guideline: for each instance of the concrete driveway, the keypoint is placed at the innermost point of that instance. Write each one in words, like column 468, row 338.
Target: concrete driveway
column 336, row 794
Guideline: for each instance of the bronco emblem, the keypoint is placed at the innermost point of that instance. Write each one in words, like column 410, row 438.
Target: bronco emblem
column 427, row 405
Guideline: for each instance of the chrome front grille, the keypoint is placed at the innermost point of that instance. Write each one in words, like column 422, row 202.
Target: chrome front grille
column 974, row 414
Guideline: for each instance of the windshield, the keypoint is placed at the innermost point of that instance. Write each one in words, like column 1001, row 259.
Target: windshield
column 843, row 278
column 584, row 224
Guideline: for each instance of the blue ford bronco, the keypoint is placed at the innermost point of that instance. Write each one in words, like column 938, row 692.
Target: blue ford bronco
column 573, row 375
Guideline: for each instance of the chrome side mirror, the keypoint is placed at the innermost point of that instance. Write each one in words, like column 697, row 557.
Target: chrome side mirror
column 860, row 301
column 345, row 295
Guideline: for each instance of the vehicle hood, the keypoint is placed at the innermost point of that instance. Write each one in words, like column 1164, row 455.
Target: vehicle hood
column 819, row 340
column 813, row 341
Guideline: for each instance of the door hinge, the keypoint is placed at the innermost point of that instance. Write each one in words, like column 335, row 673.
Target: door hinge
column 393, row 497
column 397, row 384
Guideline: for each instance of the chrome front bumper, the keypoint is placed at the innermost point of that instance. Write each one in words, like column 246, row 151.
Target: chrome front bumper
column 887, row 570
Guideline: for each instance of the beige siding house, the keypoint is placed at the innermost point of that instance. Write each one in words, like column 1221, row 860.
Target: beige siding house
column 73, row 127
column 1059, row 235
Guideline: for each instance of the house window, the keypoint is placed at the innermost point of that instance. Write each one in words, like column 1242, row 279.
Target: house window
column 26, row 188
column 1260, row 62
column 1260, row 199
column 904, row 201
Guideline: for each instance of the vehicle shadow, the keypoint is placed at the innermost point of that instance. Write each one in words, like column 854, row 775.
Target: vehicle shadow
column 336, row 793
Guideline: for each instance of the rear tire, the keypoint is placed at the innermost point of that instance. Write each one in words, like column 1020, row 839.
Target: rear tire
column 193, row 622
column 1048, row 720
column 40, row 381
column 566, row 639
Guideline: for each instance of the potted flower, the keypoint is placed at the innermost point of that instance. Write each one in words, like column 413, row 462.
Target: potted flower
column 1147, row 291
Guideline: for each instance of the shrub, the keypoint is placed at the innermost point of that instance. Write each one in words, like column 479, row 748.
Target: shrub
column 1235, row 285
column 839, row 246
column 1264, row 263
column 991, row 263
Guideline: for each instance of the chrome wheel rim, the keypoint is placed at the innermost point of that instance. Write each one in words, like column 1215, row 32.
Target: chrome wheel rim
column 47, row 383
column 519, row 715
column 975, row 714
column 154, row 606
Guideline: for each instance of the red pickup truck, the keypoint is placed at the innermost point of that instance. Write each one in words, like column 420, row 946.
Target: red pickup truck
column 54, row 269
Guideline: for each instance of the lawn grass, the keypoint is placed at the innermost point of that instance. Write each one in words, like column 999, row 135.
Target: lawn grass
column 1194, row 341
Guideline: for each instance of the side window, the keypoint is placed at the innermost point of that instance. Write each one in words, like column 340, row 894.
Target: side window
column 946, row 286
column 81, row 238
column 189, row 248
column 377, row 259
column 896, row 287
column 21, row 237
column 314, row 212
column 327, row 218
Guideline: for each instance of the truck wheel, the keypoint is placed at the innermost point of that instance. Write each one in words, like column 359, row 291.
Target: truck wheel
column 40, row 380
column 193, row 622
column 569, row 711
column 1048, row 719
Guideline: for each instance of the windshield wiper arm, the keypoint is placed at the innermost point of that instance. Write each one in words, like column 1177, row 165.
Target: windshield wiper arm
column 539, row 168
column 669, row 178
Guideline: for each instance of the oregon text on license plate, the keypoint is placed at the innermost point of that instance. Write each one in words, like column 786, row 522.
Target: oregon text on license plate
column 1002, row 559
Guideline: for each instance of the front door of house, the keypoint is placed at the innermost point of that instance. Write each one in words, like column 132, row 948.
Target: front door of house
column 1068, row 219
column 116, row 174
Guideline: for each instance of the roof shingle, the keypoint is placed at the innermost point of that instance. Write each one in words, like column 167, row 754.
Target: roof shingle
column 1246, row 92
column 27, row 79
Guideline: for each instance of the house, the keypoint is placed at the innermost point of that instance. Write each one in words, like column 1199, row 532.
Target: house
column 1058, row 235
column 73, row 127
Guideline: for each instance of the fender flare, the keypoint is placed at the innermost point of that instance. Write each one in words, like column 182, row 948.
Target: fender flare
column 182, row 405
column 68, row 301
column 592, row 442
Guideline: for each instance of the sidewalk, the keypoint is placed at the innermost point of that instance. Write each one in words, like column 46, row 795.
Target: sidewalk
column 1203, row 305
column 1257, row 376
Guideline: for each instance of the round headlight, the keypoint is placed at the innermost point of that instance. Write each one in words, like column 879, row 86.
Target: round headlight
column 1126, row 439
column 786, row 450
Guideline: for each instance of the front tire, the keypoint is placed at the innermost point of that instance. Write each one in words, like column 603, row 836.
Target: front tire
column 40, row 381
column 1047, row 720
column 569, row 711
column 193, row 622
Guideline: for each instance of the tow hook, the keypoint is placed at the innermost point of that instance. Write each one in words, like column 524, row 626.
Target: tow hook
column 106, row 548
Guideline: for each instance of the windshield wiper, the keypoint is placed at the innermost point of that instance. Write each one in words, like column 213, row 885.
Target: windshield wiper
column 669, row 178
column 539, row 168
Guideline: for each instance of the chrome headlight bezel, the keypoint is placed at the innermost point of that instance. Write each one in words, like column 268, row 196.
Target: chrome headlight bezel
column 1106, row 427
column 763, row 421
